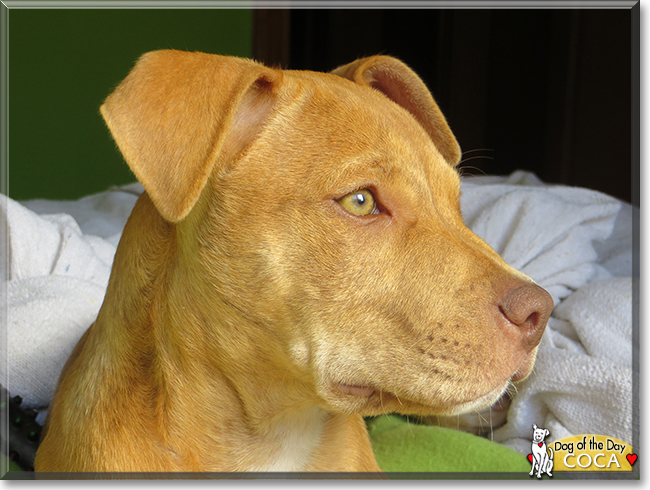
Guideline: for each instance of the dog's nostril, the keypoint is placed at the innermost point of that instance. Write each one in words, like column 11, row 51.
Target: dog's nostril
column 533, row 319
column 529, row 307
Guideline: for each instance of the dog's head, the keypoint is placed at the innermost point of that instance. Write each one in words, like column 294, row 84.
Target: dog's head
column 539, row 434
column 322, row 211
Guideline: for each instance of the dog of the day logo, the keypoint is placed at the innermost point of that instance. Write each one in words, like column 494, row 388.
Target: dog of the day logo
column 585, row 452
column 541, row 456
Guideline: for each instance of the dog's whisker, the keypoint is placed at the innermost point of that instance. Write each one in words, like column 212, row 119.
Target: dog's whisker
column 490, row 427
column 400, row 401
column 463, row 171
column 512, row 390
column 451, row 424
column 409, row 426
column 474, row 158
column 481, row 419
column 477, row 149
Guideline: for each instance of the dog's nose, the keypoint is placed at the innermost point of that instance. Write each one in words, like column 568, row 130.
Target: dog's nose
column 528, row 307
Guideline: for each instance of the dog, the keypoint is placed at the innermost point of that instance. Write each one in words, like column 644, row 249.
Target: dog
column 298, row 260
column 542, row 460
column 480, row 423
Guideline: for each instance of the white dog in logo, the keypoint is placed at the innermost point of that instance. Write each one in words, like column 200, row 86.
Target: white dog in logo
column 542, row 460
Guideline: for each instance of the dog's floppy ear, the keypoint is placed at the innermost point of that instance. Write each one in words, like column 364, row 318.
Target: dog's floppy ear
column 402, row 85
column 171, row 117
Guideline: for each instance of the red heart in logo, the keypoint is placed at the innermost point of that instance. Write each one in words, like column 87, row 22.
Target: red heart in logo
column 530, row 458
column 540, row 444
column 631, row 458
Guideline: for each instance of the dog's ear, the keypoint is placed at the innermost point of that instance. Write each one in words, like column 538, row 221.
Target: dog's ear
column 402, row 85
column 176, row 112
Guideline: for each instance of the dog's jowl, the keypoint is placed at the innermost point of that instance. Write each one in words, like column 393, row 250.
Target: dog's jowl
column 297, row 261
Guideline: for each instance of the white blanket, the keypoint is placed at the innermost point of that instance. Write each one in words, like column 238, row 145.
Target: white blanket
column 60, row 254
column 577, row 244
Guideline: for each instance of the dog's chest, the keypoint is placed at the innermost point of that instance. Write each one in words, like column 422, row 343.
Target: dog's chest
column 292, row 442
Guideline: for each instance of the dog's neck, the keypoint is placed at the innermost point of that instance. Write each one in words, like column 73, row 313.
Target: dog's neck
column 240, row 397
column 295, row 439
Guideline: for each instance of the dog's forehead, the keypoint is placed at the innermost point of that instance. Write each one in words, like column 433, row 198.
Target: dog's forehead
column 360, row 126
column 347, row 103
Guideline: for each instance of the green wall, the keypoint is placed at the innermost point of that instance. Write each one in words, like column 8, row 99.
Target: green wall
column 64, row 63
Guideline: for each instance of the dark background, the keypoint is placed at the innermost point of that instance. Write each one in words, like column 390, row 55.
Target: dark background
column 63, row 63
column 550, row 91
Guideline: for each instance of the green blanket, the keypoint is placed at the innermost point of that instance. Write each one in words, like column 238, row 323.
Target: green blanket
column 403, row 446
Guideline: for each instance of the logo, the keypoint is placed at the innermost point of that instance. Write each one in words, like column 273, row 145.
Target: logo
column 541, row 457
column 586, row 452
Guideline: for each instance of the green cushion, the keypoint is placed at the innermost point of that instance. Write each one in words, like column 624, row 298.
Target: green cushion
column 404, row 446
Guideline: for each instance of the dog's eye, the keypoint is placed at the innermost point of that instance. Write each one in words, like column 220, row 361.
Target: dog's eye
column 359, row 203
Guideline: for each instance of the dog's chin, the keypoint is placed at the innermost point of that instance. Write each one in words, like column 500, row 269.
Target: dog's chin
column 366, row 398
column 369, row 400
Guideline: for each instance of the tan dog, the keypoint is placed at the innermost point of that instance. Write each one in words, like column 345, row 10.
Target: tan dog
column 298, row 260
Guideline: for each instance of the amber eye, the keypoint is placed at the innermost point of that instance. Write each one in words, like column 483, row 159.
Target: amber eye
column 359, row 203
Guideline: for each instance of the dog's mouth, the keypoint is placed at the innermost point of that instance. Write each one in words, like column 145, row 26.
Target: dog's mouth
column 355, row 390
column 352, row 396
column 370, row 400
